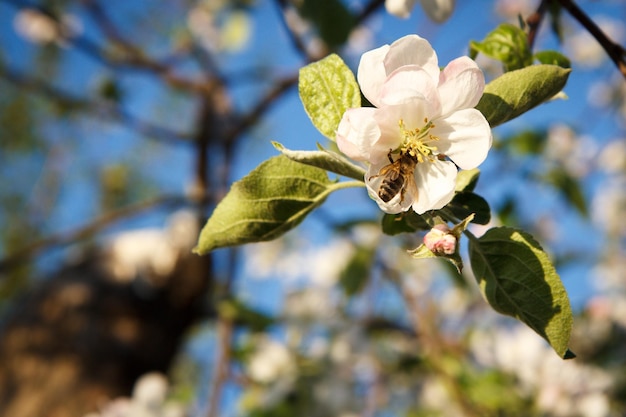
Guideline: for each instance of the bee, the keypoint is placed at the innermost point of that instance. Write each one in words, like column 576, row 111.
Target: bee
column 397, row 176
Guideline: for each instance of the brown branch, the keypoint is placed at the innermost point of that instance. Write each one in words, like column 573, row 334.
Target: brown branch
column 248, row 120
column 222, row 364
column 102, row 108
column 616, row 52
column 371, row 7
column 534, row 21
column 66, row 238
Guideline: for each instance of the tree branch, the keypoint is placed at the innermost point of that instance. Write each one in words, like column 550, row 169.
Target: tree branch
column 108, row 109
column 615, row 51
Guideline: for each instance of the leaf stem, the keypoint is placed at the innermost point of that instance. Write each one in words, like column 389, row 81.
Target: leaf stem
column 347, row 184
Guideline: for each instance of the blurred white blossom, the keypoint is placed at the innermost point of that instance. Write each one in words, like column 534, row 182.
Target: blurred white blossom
column 561, row 388
column 151, row 253
column 575, row 153
column 608, row 207
column 148, row 400
column 41, row 28
column 271, row 361
column 612, row 158
column 219, row 28
column 512, row 9
column 437, row 10
column 583, row 49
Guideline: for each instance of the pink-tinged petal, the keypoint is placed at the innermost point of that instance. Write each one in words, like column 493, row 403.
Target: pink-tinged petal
column 410, row 82
column 464, row 136
column 435, row 184
column 371, row 73
column 412, row 113
column 399, row 203
column 412, row 50
column 356, row 133
column 400, row 8
column 461, row 85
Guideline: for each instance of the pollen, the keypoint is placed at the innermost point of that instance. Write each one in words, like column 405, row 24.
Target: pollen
column 418, row 142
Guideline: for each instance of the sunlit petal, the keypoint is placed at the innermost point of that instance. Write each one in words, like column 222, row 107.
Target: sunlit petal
column 465, row 137
column 435, row 184
column 356, row 133
column 461, row 84
column 412, row 50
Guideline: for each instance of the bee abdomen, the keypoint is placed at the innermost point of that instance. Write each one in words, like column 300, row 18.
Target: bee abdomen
column 390, row 188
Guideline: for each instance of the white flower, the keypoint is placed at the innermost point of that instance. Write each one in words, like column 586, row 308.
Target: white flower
column 437, row 10
column 423, row 118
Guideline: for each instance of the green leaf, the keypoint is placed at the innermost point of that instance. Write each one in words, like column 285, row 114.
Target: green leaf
column 553, row 58
column 332, row 19
column 327, row 89
column 357, row 272
column 466, row 180
column 466, row 203
column 271, row 200
column 516, row 92
column 569, row 187
column 243, row 315
column 517, row 278
column 407, row 222
column 325, row 159
column 508, row 44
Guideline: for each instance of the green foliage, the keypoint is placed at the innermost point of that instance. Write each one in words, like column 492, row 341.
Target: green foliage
column 517, row 278
column 508, row 44
column 333, row 21
column 243, row 315
column 569, row 187
column 516, row 92
column 466, row 203
column 327, row 89
column 408, row 222
column 466, row 180
column 553, row 58
column 271, row 200
column 357, row 272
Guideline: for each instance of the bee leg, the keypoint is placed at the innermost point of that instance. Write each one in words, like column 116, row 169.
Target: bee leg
column 389, row 155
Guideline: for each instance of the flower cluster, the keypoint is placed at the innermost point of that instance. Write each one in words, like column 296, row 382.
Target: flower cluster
column 422, row 127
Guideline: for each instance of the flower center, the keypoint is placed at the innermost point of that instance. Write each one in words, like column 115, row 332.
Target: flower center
column 418, row 142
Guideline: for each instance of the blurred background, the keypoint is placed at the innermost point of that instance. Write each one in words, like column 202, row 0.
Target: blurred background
column 122, row 125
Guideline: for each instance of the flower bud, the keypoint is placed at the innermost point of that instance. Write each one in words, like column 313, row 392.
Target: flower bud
column 440, row 241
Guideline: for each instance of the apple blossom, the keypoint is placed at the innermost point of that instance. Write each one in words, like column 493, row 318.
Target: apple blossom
column 423, row 125
column 437, row 10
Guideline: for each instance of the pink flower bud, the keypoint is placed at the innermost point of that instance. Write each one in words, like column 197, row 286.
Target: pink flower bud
column 440, row 241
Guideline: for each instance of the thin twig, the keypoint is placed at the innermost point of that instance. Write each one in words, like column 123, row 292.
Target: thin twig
column 616, row 52
column 102, row 108
column 534, row 21
column 243, row 123
column 222, row 364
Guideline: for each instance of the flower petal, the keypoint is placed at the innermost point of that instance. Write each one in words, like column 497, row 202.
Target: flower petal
column 461, row 84
column 356, row 133
column 435, row 184
column 464, row 136
column 410, row 82
column 412, row 50
column 371, row 73
column 400, row 8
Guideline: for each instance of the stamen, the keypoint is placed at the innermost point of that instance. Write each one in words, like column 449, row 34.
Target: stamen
column 416, row 142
